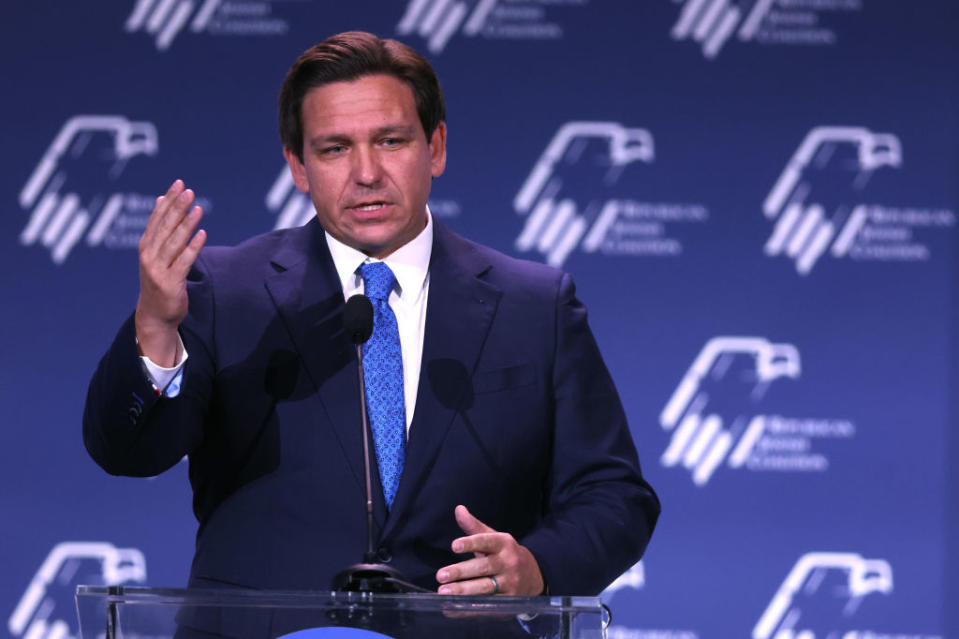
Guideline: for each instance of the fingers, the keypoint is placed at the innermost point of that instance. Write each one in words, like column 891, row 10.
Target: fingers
column 471, row 577
column 468, row 523
column 160, row 218
column 187, row 257
column 480, row 586
column 168, row 248
column 176, row 243
column 483, row 543
column 174, row 228
column 175, row 207
column 169, row 230
column 497, row 556
column 469, row 569
column 169, row 226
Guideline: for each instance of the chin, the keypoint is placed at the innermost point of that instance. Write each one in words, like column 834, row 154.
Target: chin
column 371, row 246
column 375, row 242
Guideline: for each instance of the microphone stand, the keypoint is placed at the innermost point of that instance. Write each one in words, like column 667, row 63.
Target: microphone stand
column 370, row 576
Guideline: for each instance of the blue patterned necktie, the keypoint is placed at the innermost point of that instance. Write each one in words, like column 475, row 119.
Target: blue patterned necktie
column 383, row 364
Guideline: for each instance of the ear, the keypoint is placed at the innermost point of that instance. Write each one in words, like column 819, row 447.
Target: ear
column 298, row 170
column 438, row 150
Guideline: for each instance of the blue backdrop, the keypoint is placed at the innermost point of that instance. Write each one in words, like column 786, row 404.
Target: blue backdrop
column 757, row 199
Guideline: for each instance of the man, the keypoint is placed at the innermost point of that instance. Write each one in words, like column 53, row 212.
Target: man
column 501, row 437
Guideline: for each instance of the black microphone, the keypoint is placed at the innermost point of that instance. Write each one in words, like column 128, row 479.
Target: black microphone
column 358, row 319
column 368, row 576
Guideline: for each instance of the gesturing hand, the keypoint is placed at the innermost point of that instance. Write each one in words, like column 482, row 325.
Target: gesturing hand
column 500, row 565
column 166, row 255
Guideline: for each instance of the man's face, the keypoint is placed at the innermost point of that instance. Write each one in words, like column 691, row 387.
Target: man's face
column 367, row 164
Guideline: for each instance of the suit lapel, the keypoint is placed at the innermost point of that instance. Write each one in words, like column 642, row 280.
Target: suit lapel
column 309, row 298
column 460, row 311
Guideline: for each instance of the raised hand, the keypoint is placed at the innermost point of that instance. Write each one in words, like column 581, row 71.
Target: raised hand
column 166, row 254
column 500, row 565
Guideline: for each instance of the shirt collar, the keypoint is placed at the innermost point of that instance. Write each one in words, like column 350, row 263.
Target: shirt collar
column 410, row 263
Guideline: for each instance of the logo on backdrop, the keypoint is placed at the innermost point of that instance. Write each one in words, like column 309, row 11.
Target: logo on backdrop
column 716, row 415
column 285, row 201
column 58, row 215
column 293, row 208
column 712, row 23
column 573, row 199
column 164, row 20
column 437, row 21
column 817, row 204
column 635, row 579
column 829, row 594
column 839, row 580
column 47, row 609
column 632, row 579
column 78, row 189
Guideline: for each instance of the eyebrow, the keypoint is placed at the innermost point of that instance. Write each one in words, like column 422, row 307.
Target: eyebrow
column 340, row 138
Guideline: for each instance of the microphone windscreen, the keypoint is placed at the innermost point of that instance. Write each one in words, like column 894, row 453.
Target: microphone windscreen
column 358, row 319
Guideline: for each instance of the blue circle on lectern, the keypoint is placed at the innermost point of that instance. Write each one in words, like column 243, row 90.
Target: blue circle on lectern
column 334, row 633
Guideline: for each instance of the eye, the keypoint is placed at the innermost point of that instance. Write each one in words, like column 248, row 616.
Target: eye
column 334, row 149
column 392, row 142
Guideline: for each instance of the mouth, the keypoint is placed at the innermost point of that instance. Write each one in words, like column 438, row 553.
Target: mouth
column 370, row 206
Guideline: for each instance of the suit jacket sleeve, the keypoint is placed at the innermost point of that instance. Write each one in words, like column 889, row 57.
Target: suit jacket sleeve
column 601, row 512
column 127, row 428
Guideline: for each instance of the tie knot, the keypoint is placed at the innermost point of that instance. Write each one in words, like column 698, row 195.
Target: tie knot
column 378, row 280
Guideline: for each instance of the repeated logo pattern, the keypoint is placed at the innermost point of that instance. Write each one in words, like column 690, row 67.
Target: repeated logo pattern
column 71, row 191
column 806, row 224
column 164, row 20
column 583, row 193
column 713, row 23
column 47, row 609
column 555, row 223
column 701, row 438
column 843, row 579
column 632, row 579
column 291, row 207
column 439, row 20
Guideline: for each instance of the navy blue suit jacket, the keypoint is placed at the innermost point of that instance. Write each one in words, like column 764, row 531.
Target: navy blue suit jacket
column 516, row 418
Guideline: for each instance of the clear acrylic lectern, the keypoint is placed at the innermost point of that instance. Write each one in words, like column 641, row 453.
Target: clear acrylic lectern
column 119, row 612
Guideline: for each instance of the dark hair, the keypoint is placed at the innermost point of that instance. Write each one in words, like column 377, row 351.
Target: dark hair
column 348, row 56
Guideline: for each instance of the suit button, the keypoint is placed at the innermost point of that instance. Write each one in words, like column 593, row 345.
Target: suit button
column 383, row 555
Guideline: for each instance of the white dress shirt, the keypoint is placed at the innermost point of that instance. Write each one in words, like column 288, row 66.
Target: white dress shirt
column 410, row 264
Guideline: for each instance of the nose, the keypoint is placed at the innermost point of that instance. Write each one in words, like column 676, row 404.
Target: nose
column 367, row 170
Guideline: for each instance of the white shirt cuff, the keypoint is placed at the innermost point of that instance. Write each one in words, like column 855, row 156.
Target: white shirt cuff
column 166, row 380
